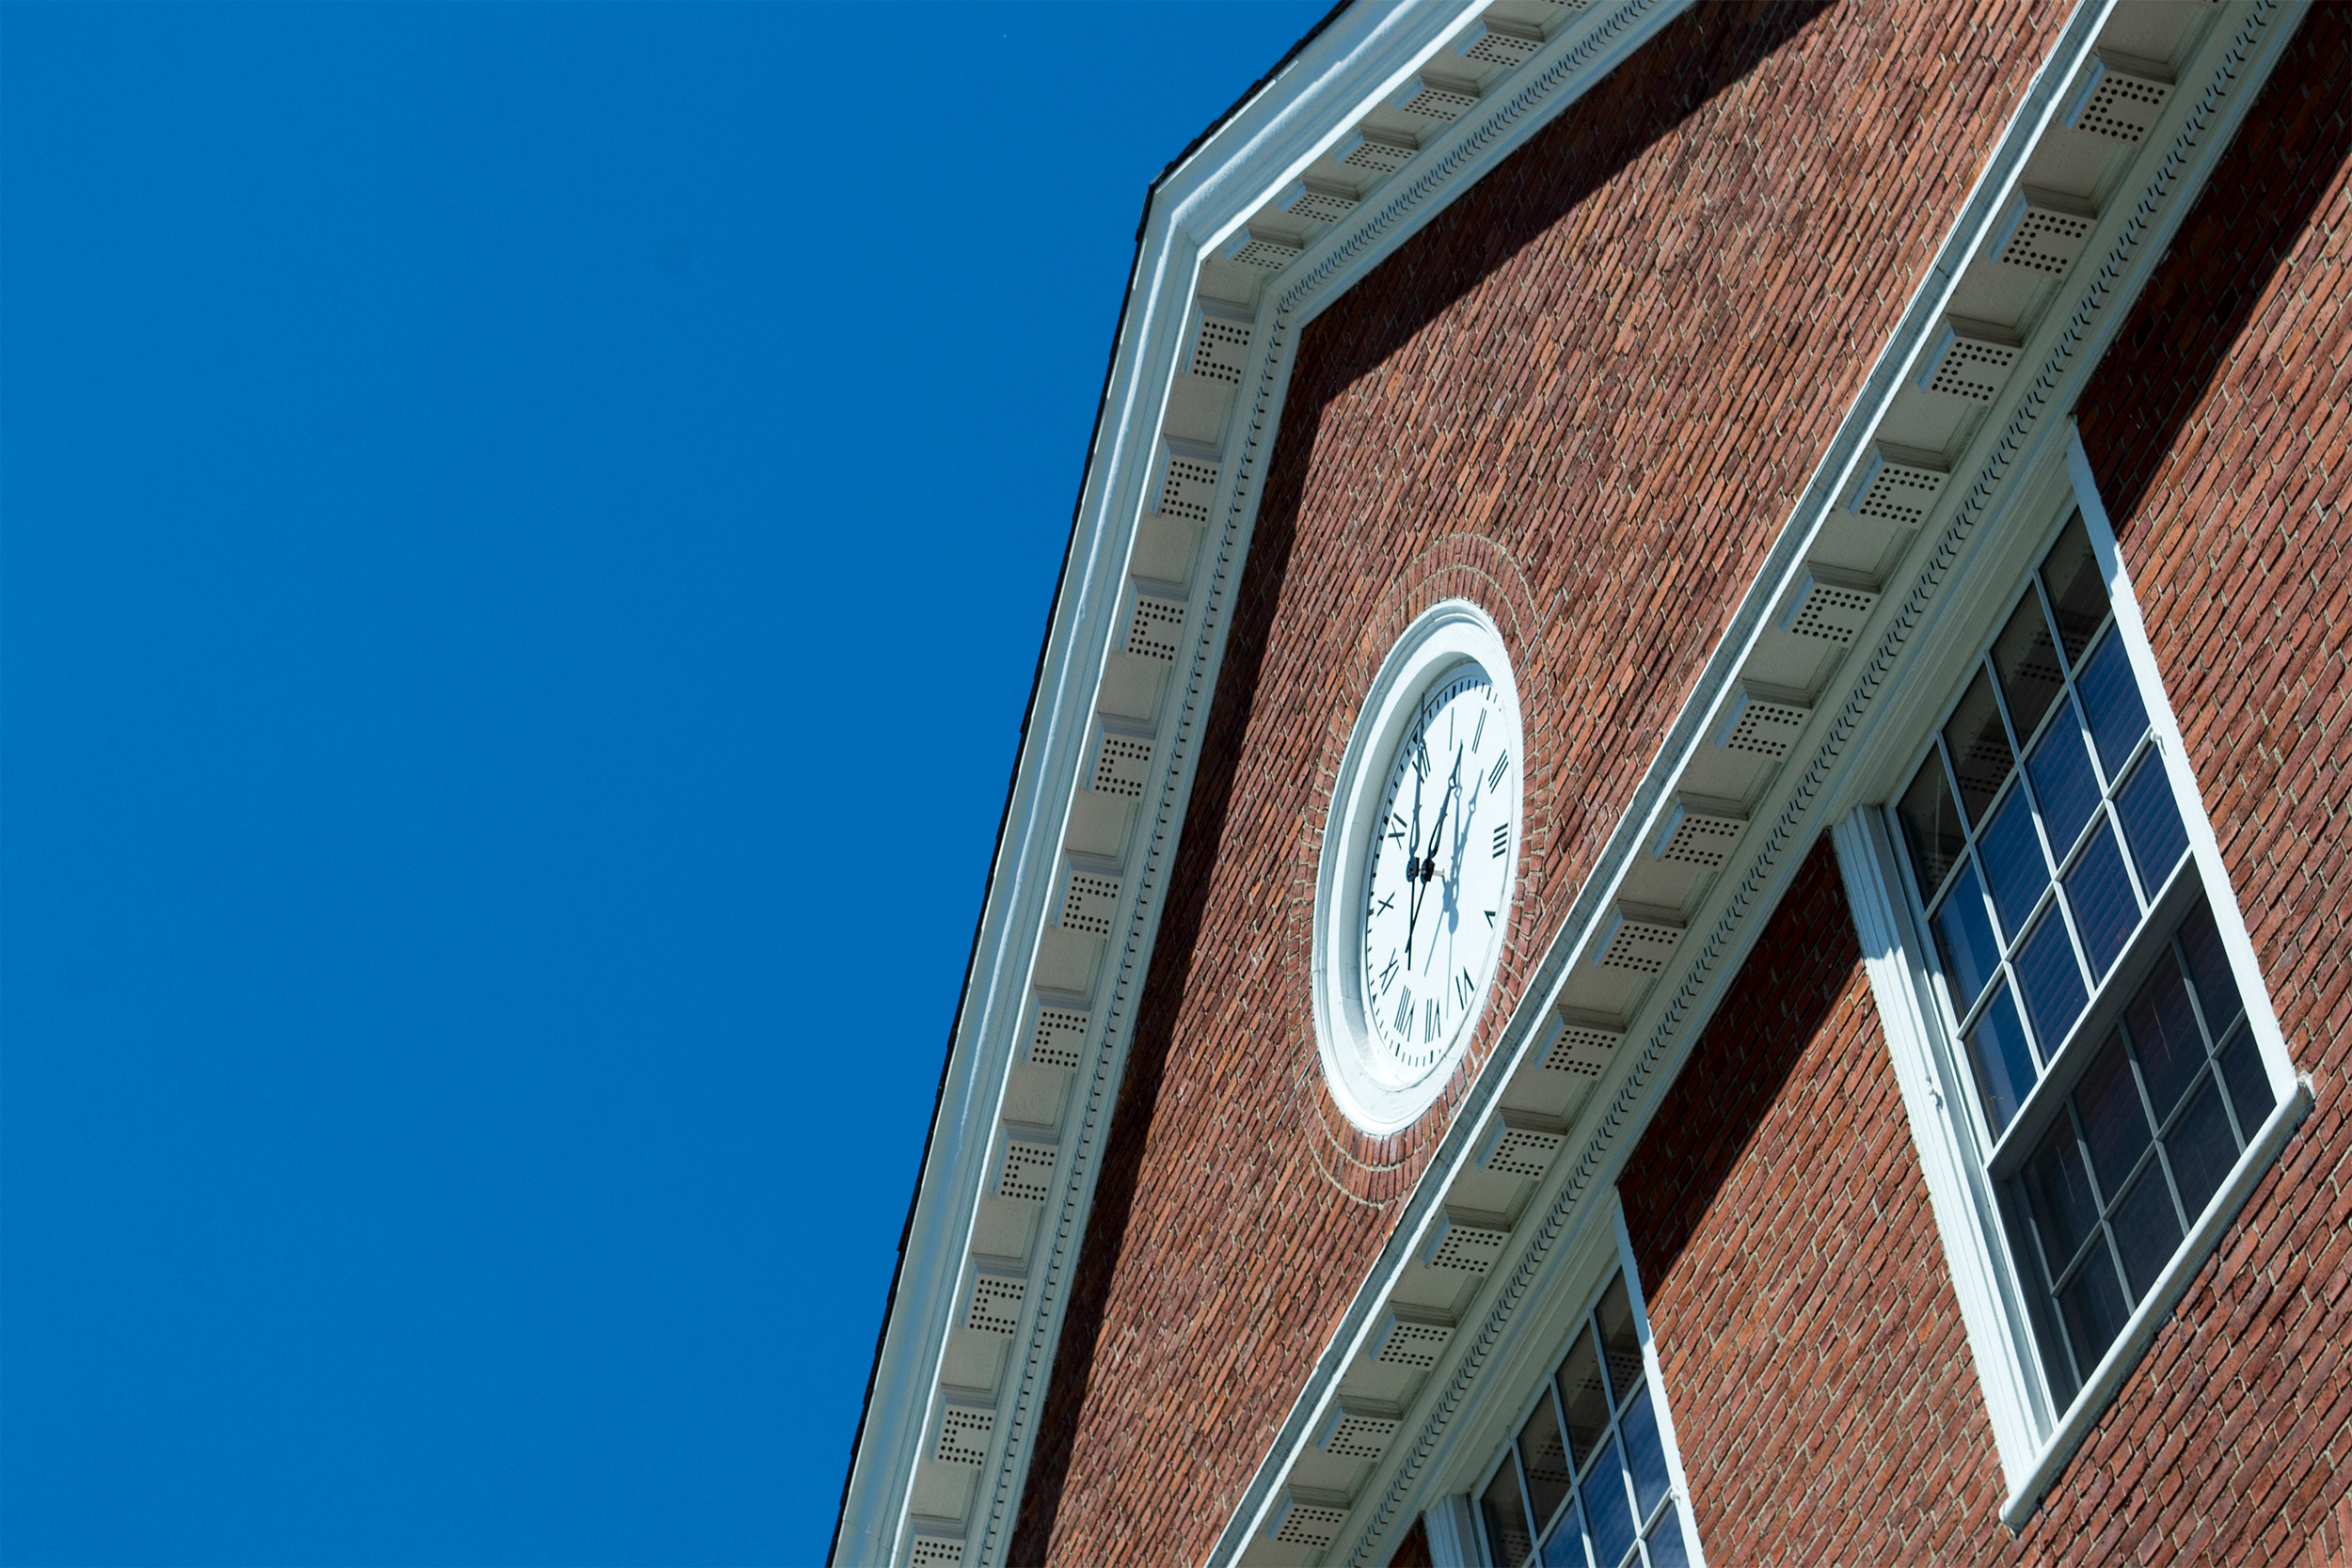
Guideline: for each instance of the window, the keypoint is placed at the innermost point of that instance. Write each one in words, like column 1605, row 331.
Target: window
column 2092, row 1073
column 1589, row 1480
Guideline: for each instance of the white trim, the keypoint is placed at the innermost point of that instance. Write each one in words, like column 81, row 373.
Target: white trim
column 2204, row 847
column 1676, row 1479
column 2035, row 1440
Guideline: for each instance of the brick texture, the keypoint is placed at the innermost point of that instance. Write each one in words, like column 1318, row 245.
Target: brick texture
column 1585, row 396
column 1812, row 1348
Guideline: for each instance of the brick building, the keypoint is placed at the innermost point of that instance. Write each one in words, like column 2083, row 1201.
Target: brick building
column 1675, row 887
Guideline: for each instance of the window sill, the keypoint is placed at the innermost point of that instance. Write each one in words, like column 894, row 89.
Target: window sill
column 2099, row 1392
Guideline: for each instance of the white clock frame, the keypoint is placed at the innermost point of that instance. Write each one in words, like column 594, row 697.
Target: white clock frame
column 1363, row 1080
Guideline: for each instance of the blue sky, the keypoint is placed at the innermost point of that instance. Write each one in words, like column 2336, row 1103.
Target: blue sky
column 524, row 536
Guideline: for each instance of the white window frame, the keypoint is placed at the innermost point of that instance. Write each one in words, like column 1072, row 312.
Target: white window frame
column 1457, row 1535
column 2035, row 1436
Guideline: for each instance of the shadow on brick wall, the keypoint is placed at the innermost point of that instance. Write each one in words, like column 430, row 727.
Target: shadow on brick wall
column 1774, row 1010
column 2189, row 318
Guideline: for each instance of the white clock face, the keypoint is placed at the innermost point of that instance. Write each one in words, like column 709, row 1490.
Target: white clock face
column 1437, row 872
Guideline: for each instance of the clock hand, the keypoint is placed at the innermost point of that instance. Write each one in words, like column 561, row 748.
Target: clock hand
column 1412, row 853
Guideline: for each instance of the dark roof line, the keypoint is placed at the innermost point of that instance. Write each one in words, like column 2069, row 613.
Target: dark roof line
column 1036, row 680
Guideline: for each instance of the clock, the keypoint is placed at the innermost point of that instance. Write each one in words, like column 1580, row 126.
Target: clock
column 1413, row 894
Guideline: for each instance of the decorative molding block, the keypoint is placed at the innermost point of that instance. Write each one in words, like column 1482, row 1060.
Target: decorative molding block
column 1003, row 1229
column 1165, row 547
column 1373, row 152
column 1969, row 359
column 1130, row 686
column 1068, row 960
column 1899, row 488
column 1253, row 247
column 2121, row 97
column 1035, row 1096
column 1830, row 604
column 1434, row 100
column 1699, row 834
column 1763, row 724
column 1489, row 42
column 2044, row 232
column 1311, row 202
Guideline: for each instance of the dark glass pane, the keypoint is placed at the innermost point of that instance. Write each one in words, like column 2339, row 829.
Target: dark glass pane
column 1550, row 1477
column 1665, row 1544
column 2064, row 1206
column 2029, row 663
column 1620, row 1343
column 1964, row 934
column 2163, row 1032
column 1507, row 1535
column 1585, row 1399
column 2114, row 1125
column 2147, row 1229
column 1979, row 747
column 1607, row 1514
column 2094, row 1307
column 2100, row 896
column 2063, row 782
column 1931, row 826
column 2052, row 982
column 2249, row 1084
column 2077, row 592
column 2152, row 823
column 1565, row 1546
column 1644, row 1455
column 2112, row 704
column 2005, row 1069
column 2012, row 856
column 2201, row 1149
column 2217, row 990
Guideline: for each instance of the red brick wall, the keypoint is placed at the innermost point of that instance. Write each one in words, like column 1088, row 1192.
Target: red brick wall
column 1585, row 396
column 1819, row 1377
column 1813, row 1351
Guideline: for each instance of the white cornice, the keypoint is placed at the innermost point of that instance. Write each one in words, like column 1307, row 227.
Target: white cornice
column 1335, row 79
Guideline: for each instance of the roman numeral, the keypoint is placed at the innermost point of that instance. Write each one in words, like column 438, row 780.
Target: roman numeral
column 1494, row 775
column 1397, row 831
column 1503, row 839
column 1388, row 975
column 1405, row 1014
column 1490, row 919
column 1479, row 734
column 1386, row 904
column 1463, row 988
column 1428, row 1021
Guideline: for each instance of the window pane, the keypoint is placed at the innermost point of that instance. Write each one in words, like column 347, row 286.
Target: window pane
column 1645, row 1456
column 2094, row 1308
column 2147, row 1229
column 2152, row 823
column 2013, row 861
column 2163, row 1032
column 1607, row 1514
column 1565, row 1546
column 1583, row 1398
column 2058, row 1189
column 2113, row 1124
column 1620, row 1343
column 2100, row 896
column 2209, row 967
column 2201, row 1149
column 1963, row 935
column 2249, row 1085
column 2052, row 982
column 2005, row 1069
column 2029, row 663
column 2063, row 782
column 2112, row 704
column 1507, row 1535
column 1548, row 1476
column 1665, row 1543
column 1931, row 826
column 1979, row 747
column 2077, row 593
